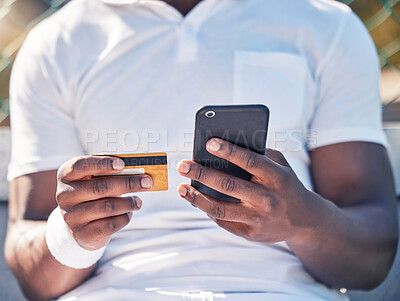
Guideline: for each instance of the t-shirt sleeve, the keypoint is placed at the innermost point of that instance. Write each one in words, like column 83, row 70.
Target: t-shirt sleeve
column 348, row 106
column 42, row 125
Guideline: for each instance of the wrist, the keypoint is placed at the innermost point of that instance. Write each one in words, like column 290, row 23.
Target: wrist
column 63, row 246
column 317, row 215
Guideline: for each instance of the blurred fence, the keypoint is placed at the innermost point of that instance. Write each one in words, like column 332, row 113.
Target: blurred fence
column 17, row 17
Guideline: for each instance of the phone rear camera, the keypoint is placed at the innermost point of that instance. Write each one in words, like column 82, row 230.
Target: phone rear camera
column 210, row 114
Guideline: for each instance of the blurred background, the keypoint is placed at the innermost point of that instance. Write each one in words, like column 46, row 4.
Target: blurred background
column 381, row 17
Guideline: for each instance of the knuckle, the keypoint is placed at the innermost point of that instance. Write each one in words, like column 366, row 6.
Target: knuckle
column 256, row 219
column 61, row 195
column 228, row 184
column 229, row 150
column 111, row 226
column 133, row 202
column 276, row 179
column 126, row 219
column 80, row 234
column 78, row 164
column 65, row 169
column 60, row 173
column 218, row 212
column 103, row 164
column 237, row 215
column 93, row 236
column 269, row 203
column 131, row 183
column 193, row 196
column 97, row 231
column 251, row 161
column 108, row 206
column 200, row 173
column 88, row 207
column 100, row 186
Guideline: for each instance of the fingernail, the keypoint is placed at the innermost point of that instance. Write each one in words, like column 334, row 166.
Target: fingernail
column 118, row 164
column 184, row 167
column 182, row 191
column 146, row 182
column 213, row 145
column 138, row 201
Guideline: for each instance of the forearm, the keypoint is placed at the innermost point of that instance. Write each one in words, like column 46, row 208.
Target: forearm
column 349, row 247
column 41, row 277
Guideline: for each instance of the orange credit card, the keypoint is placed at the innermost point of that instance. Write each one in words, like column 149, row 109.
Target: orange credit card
column 153, row 164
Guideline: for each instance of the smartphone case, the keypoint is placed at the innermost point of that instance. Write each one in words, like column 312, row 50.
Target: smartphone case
column 243, row 125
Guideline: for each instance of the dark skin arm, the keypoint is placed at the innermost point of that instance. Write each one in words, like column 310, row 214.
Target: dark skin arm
column 91, row 211
column 345, row 233
column 32, row 198
column 362, row 189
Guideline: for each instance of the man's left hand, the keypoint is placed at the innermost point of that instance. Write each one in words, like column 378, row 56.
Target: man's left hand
column 273, row 205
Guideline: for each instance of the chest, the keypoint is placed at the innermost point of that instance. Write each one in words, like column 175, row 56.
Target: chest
column 155, row 80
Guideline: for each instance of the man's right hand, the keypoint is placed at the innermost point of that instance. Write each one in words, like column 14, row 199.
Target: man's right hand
column 91, row 206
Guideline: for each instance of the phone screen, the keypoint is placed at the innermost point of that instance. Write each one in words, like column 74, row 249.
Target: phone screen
column 243, row 125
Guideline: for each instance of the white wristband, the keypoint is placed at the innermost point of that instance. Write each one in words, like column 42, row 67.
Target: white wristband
column 63, row 246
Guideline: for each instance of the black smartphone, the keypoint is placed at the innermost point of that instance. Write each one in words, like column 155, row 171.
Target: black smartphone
column 243, row 125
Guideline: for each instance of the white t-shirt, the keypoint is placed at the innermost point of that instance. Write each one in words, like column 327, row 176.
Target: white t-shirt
column 128, row 76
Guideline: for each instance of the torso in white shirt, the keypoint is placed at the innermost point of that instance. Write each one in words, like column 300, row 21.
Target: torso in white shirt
column 133, row 74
